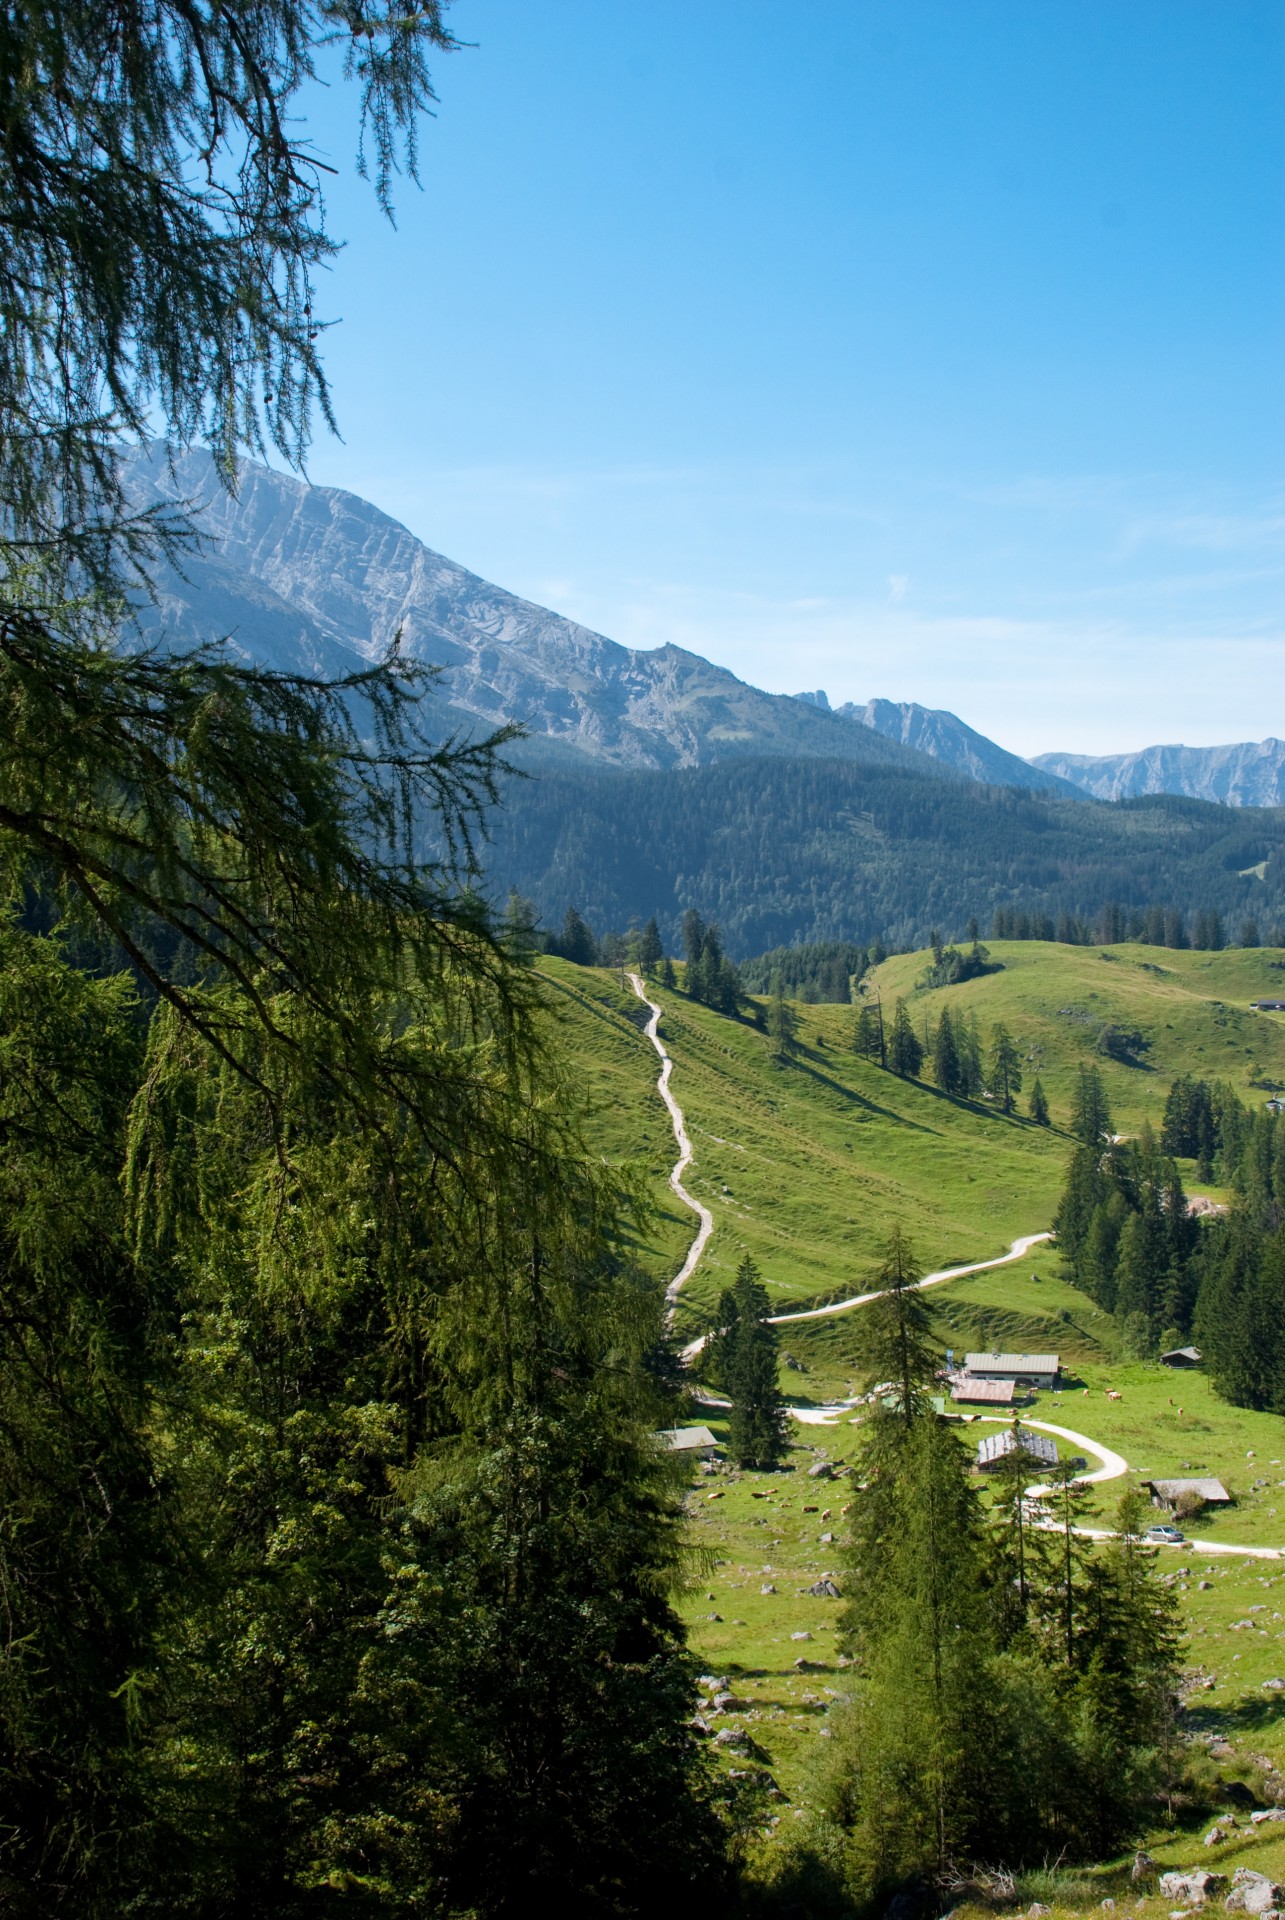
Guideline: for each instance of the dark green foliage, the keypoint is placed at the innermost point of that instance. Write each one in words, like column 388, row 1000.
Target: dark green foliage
column 768, row 848
column 949, row 1071
column 896, row 1351
column 576, row 941
column 905, row 1050
column 950, row 967
column 1012, row 1693
column 1005, row 1074
column 819, row 973
column 743, row 1360
column 1090, row 1114
column 782, row 1026
column 650, row 950
column 868, row 1038
column 710, row 976
column 1038, row 1107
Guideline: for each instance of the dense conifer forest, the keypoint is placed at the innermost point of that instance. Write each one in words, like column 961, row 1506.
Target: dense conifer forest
column 784, row 852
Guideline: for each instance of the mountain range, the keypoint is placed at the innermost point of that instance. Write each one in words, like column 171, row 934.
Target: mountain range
column 315, row 579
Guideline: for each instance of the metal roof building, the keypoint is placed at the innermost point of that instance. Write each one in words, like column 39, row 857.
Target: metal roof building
column 982, row 1393
column 689, row 1440
column 1029, row 1369
column 1039, row 1449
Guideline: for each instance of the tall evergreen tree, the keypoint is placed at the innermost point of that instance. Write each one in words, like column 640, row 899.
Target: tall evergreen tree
column 947, row 1071
column 905, row 1052
column 782, row 1025
column 650, row 949
column 745, row 1350
column 1090, row 1115
column 1006, row 1070
column 1039, row 1106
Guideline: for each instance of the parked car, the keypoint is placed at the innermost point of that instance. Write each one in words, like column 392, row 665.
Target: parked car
column 1165, row 1536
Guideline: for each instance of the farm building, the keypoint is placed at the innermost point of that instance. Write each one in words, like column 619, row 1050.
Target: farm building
column 1181, row 1357
column 997, row 1447
column 1268, row 1006
column 695, row 1440
column 982, row 1393
column 1024, row 1369
column 1171, row 1494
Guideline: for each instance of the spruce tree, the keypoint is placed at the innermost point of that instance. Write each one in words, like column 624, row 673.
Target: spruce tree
column 905, row 1053
column 1090, row 1115
column 650, row 950
column 1039, row 1106
column 1006, row 1071
column 746, row 1350
column 947, row 1071
column 782, row 1025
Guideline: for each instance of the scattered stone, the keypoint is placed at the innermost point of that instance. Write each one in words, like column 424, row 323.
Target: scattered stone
column 1036, row 1908
column 806, row 1666
column 821, row 1470
column 739, row 1623
column 1143, row 1866
column 1275, row 1686
column 805, row 1635
column 730, row 1703
column 732, row 1737
column 1215, row 1836
column 1251, row 1892
column 1108, row 1906
column 1267, row 1813
column 1195, row 1886
column 827, row 1539
column 823, row 1590
column 769, row 1588
column 715, row 1616
column 1221, row 1750
column 1204, row 1586
column 713, row 1682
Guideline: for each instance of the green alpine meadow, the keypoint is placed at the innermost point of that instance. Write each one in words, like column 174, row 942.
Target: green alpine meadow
column 626, row 1292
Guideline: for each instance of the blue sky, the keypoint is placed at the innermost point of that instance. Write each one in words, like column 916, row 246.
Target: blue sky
column 932, row 349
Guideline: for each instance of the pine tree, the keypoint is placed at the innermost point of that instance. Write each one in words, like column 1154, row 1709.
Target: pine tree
column 895, row 1344
column 667, row 976
column 946, row 1066
column 867, row 1033
column 782, row 1025
column 1039, row 1106
column 1090, row 1115
column 650, row 950
column 576, row 942
column 745, row 1351
column 905, row 1053
column 1006, row 1070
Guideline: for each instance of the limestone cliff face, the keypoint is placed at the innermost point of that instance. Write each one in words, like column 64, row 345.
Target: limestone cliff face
column 1248, row 774
column 315, row 578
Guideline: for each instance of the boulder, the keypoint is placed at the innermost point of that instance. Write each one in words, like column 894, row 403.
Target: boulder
column 1215, row 1836
column 821, row 1470
column 1195, row 1886
column 1251, row 1892
column 823, row 1590
column 732, row 1737
column 1036, row 1908
column 1143, row 1866
column 769, row 1588
column 730, row 1703
column 1275, row 1685
column 805, row 1635
column 1267, row 1813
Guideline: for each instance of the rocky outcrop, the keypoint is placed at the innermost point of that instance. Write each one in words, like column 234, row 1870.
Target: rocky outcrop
column 1249, row 774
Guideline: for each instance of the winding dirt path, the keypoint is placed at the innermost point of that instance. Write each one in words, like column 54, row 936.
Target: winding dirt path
column 683, row 1144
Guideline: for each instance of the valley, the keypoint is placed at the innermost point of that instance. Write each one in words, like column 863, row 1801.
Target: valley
column 806, row 1165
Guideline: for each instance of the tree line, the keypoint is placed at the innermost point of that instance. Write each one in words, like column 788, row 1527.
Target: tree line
column 1130, row 1240
column 961, row 1063
column 781, row 851
column 1115, row 924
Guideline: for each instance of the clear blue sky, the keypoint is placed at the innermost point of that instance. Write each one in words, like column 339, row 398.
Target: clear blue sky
column 925, row 348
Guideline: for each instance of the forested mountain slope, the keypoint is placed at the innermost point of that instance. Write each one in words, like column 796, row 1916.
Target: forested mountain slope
column 798, row 850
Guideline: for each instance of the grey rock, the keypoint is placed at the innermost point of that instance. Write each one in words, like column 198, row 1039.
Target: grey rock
column 767, row 1589
column 821, row 1470
column 1143, row 1865
column 823, row 1590
column 1215, row 1836
column 318, row 580
column 805, row 1635
column 1195, row 1886
column 1267, row 1813
column 1248, row 774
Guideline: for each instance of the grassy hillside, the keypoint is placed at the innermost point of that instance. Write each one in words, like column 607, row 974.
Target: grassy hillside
column 1191, row 1008
column 805, row 1166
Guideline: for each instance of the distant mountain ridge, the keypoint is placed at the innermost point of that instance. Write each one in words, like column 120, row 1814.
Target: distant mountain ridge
column 1248, row 774
column 315, row 578
column 945, row 737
